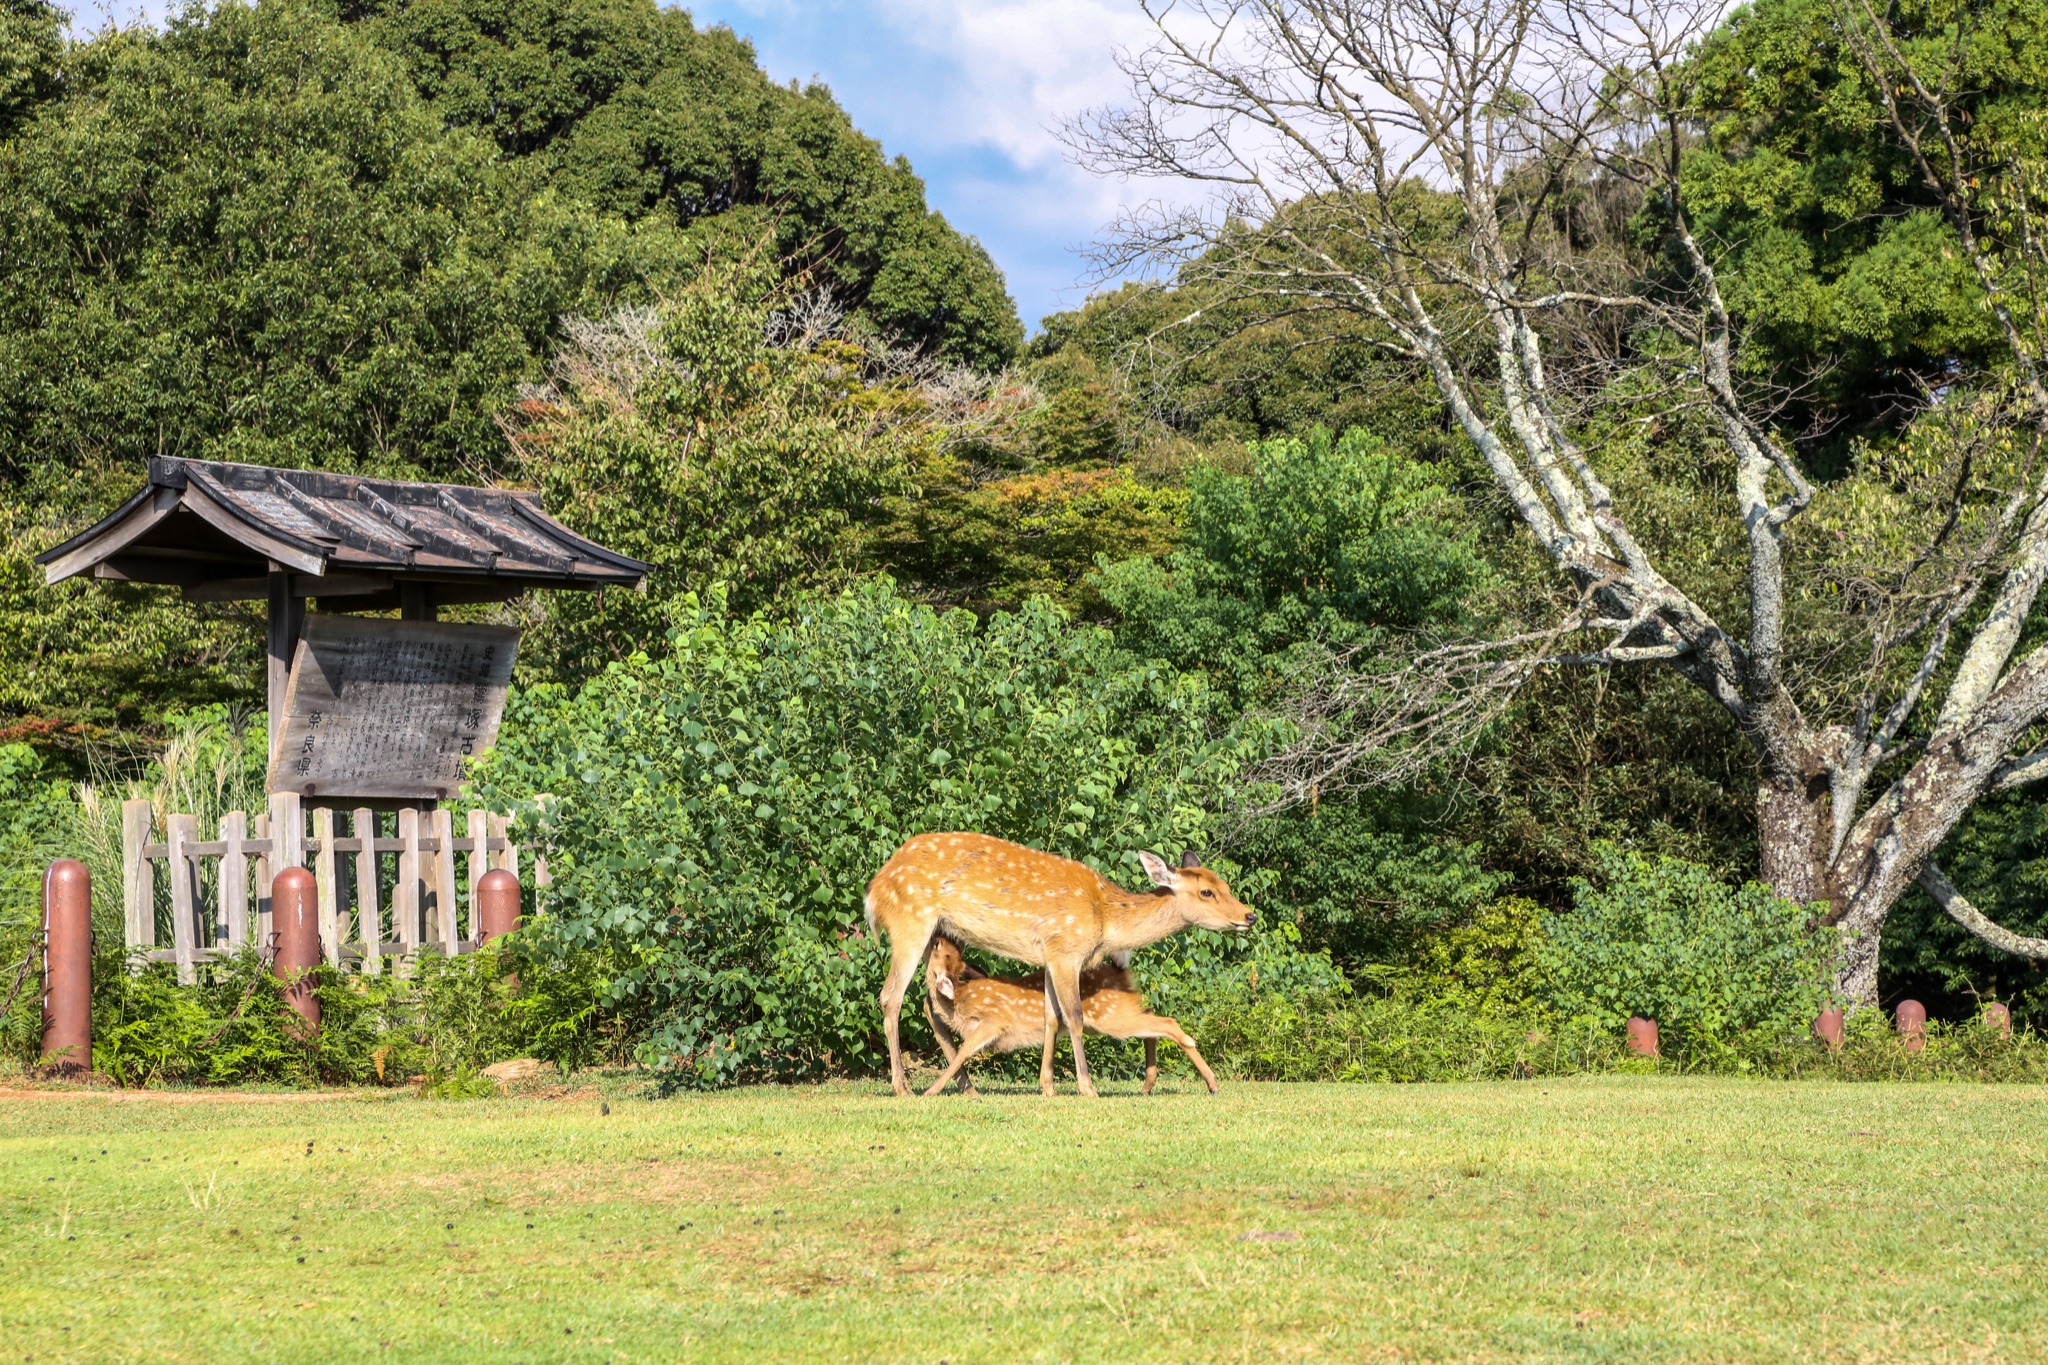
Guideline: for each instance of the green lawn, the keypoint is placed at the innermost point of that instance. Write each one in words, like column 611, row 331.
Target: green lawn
column 1618, row 1218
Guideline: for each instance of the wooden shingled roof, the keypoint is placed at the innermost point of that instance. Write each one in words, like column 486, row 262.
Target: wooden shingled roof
column 220, row 531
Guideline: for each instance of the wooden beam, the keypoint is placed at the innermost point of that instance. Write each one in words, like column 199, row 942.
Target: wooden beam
column 287, row 621
column 302, row 585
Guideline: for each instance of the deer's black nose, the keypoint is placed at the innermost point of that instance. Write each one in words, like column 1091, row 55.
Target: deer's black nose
column 1251, row 917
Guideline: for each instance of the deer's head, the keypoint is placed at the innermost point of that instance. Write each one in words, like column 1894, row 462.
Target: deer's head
column 1199, row 894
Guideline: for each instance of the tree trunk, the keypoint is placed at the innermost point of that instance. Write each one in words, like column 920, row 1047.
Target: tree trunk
column 1795, row 823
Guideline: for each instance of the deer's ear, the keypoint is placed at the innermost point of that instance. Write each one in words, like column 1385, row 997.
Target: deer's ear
column 1158, row 871
column 945, row 985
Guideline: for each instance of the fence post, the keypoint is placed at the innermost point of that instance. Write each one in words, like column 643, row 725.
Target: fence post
column 479, row 859
column 497, row 898
column 1912, row 1021
column 405, row 896
column 324, row 872
column 442, row 822
column 369, row 919
column 182, row 831
column 264, row 865
column 287, row 831
column 1827, row 1026
column 234, row 877
column 67, row 967
column 138, row 874
column 500, row 827
column 295, row 909
column 1642, row 1036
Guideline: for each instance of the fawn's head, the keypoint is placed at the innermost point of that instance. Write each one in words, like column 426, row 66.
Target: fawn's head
column 944, row 967
column 1201, row 896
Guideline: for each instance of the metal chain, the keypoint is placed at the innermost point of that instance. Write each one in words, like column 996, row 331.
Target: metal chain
column 35, row 941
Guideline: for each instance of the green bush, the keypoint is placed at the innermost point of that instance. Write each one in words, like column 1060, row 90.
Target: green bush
column 1395, row 1038
column 1721, row 969
column 1488, row 963
column 715, row 815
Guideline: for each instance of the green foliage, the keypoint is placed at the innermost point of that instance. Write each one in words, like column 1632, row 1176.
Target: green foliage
column 1667, row 940
column 1872, row 1050
column 627, row 107
column 695, row 439
column 249, row 238
column 283, row 235
column 1395, row 1038
column 715, row 814
column 35, row 813
column 1839, row 259
column 1334, row 540
column 1367, row 878
column 31, row 44
column 1488, row 964
column 2000, row 852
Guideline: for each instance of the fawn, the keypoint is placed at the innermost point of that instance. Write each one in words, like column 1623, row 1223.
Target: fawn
column 1008, row 1014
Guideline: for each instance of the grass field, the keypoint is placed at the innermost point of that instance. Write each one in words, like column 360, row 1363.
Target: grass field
column 1610, row 1219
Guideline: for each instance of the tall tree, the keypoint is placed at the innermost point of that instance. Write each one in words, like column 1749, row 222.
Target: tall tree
column 1408, row 163
column 630, row 108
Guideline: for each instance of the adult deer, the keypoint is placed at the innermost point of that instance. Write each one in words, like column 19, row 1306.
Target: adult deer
column 1007, row 1014
column 1036, row 907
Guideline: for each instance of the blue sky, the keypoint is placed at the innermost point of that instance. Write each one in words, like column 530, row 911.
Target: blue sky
column 967, row 89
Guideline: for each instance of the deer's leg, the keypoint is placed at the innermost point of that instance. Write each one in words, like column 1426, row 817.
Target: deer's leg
column 1052, row 1033
column 1151, row 1064
column 906, row 949
column 1066, row 981
column 969, row 1045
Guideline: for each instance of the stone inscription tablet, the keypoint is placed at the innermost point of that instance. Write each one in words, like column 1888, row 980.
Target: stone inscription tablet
column 389, row 709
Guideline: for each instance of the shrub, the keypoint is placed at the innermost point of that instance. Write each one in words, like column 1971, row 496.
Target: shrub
column 1395, row 1038
column 716, row 814
column 1487, row 964
column 1712, row 964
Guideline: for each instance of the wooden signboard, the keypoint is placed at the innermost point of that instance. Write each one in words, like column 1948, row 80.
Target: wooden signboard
column 383, row 709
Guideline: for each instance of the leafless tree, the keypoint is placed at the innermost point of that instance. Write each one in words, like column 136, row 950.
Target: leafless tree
column 1395, row 163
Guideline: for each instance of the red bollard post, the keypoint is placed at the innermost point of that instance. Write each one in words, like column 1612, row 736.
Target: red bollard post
column 295, row 920
column 1911, row 1017
column 1642, row 1036
column 1827, row 1027
column 67, row 967
column 497, row 900
column 1999, row 1017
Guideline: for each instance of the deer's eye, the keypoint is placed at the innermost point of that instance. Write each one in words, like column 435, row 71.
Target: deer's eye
column 1207, row 894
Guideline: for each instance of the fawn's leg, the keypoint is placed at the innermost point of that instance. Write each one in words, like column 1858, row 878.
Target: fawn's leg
column 938, row 1032
column 1170, row 1029
column 1151, row 1064
column 969, row 1045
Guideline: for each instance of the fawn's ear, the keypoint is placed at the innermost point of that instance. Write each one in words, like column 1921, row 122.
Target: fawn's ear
column 1158, row 871
column 945, row 985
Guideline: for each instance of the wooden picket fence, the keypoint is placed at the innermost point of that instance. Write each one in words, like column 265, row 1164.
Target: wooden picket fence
column 387, row 889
